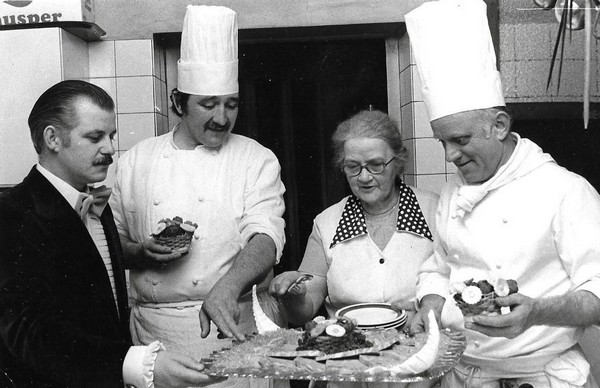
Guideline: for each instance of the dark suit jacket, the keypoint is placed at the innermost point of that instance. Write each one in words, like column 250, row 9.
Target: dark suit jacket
column 59, row 325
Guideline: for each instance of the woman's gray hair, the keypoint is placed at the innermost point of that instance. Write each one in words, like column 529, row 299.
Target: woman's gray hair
column 370, row 124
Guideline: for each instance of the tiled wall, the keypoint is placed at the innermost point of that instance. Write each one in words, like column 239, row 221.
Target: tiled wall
column 133, row 73
column 426, row 167
column 525, row 59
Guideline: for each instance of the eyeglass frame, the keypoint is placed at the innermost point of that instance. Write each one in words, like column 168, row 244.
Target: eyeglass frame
column 366, row 167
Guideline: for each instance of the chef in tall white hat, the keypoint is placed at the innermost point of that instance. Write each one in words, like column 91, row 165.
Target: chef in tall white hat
column 227, row 184
column 510, row 212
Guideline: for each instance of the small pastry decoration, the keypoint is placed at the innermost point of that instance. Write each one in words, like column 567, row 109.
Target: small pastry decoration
column 332, row 336
column 175, row 233
column 478, row 297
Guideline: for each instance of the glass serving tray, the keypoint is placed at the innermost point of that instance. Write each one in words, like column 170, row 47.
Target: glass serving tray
column 253, row 358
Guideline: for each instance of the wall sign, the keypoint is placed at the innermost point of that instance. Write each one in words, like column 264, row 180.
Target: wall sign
column 45, row 11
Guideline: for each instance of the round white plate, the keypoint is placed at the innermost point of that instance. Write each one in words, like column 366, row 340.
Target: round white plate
column 371, row 314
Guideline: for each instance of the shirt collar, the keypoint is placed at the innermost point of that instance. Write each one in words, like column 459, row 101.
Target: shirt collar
column 65, row 189
column 410, row 218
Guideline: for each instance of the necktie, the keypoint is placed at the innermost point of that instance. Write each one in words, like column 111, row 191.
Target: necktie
column 94, row 202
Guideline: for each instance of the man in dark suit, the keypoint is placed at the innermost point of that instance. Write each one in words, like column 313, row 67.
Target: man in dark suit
column 63, row 299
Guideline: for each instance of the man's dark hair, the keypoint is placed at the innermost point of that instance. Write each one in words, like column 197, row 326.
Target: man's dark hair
column 56, row 107
column 179, row 99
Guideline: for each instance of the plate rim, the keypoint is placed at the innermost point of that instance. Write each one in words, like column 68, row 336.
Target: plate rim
column 356, row 306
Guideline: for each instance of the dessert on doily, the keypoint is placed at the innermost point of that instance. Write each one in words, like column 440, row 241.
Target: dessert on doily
column 175, row 233
column 479, row 297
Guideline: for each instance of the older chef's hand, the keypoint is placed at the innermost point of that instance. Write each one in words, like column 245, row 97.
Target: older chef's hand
column 177, row 370
column 506, row 325
column 221, row 307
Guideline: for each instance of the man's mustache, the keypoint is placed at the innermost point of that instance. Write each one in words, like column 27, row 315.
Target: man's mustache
column 105, row 161
column 217, row 127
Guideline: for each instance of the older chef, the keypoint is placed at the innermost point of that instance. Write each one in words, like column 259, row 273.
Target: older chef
column 509, row 212
column 228, row 184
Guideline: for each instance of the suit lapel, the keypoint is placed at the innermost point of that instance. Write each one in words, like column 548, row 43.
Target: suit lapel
column 64, row 226
column 116, row 256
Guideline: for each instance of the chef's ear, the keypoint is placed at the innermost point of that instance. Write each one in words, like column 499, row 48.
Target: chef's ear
column 176, row 101
column 502, row 121
column 52, row 138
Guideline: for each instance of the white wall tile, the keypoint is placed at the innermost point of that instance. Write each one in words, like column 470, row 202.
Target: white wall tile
column 409, row 166
column 416, row 86
column 407, row 123
column 134, row 57
column 109, row 85
column 134, row 128
column 406, row 86
column 405, row 52
column 508, row 73
column 429, row 157
column 507, row 42
column 159, row 61
column 533, row 41
column 531, row 77
column 102, row 58
column 410, row 179
column 574, row 44
column 431, row 182
column 422, row 126
column 135, row 94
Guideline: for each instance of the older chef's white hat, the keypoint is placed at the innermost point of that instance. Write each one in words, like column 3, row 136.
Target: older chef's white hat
column 453, row 49
column 209, row 51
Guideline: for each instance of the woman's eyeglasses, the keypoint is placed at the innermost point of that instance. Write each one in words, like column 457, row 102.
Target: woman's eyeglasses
column 354, row 169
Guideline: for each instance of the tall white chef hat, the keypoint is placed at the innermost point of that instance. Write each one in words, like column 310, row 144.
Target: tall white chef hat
column 209, row 51
column 453, row 49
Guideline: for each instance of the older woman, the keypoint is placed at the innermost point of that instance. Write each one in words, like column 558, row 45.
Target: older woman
column 368, row 246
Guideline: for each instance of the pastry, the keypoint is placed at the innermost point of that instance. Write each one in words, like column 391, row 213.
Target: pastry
column 478, row 297
column 175, row 233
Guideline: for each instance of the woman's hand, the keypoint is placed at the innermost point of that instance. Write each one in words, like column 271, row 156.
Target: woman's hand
column 420, row 322
column 281, row 283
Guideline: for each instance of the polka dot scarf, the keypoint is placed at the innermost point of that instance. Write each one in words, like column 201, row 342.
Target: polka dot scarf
column 410, row 218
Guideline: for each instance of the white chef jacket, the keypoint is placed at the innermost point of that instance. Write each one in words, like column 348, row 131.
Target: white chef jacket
column 357, row 270
column 540, row 229
column 232, row 193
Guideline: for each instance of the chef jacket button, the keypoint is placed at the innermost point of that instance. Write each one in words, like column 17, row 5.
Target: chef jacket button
column 195, row 281
column 156, row 202
column 154, row 282
column 165, row 155
column 476, row 343
column 504, row 220
column 381, row 261
column 200, row 199
column 455, row 256
column 213, row 152
column 498, row 266
column 197, row 236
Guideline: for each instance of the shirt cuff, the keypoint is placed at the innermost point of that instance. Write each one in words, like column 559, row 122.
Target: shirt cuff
column 138, row 366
